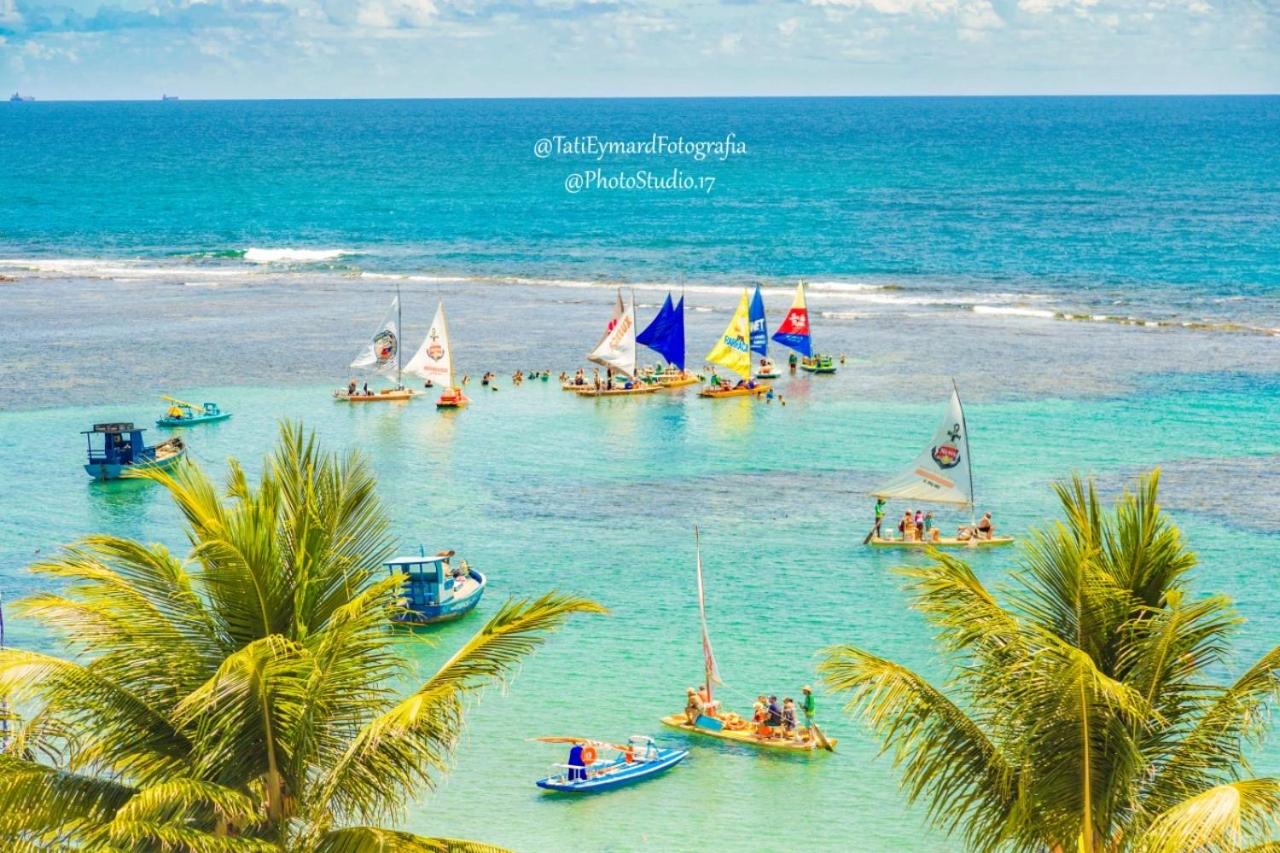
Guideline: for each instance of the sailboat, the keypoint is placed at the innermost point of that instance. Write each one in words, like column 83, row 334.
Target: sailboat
column 617, row 352
column 760, row 337
column 434, row 362
column 795, row 332
column 941, row 474
column 714, row 722
column 382, row 356
column 665, row 336
column 733, row 352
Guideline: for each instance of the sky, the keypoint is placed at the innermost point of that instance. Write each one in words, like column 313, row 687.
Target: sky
column 88, row 49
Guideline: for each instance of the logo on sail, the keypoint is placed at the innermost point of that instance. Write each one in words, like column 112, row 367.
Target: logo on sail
column 947, row 453
column 384, row 346
column 434, row 351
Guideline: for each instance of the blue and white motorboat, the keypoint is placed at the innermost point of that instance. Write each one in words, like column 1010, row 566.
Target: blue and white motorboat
column 435, row 590
column 587, row 771
column 115, row 448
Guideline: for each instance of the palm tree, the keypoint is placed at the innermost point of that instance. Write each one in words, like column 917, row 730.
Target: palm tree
column 1083, row 709
column 245, row 698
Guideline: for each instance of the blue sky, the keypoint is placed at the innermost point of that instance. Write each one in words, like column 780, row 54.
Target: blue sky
column 464, row 48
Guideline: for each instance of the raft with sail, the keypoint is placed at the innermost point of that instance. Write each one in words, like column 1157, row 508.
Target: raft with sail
column 616, row 352
column 729, row 726
column 760, row 338
column 382, row 356
column 942, row 474
column 795, row 332
column 433, row 362
column 733, row 352
column 665, row 336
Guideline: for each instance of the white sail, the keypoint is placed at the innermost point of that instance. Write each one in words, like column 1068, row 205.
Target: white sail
column 943, row 472
column 382, row 353
column 434, row 359
column 617, row 348
column 708, row 656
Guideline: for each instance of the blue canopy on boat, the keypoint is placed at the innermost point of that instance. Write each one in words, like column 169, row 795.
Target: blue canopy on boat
column 759, row 333
column 665, row 335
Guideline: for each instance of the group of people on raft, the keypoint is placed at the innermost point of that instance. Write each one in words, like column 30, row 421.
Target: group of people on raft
column 918, row 526
column 769, row 718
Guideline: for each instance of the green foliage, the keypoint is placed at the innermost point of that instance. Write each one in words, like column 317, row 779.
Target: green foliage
column 1083, row 709
column 245, row 698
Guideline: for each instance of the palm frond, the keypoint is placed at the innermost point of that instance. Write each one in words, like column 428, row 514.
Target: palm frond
column 40, row 802
column 393, row 755
column 371, row 839
column 943, row 753
column 1227, row 817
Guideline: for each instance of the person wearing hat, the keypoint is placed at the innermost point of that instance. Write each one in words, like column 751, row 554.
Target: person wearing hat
column 810, row 708
column 693, row 706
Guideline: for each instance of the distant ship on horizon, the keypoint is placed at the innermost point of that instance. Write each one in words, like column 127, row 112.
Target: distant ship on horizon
column 168, row 97
column 17, row 96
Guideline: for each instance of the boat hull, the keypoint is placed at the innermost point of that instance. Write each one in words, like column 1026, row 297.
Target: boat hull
column 615, row 774
column 808, row 368
column 392, row 395
column 716, row 394
column 115, row 471
column 619, row 392
column 774, row 375
column 450, row 610
column 452, row 401
column 945, row 542
column 202, row 419
column 746, row 737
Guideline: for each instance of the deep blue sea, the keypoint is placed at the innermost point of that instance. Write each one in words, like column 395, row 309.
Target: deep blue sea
column 1099, row 276
column 1149, row 207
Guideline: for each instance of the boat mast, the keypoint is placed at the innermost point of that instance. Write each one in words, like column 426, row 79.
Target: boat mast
column 968, row 460
column 702, row 612
column 399, row 338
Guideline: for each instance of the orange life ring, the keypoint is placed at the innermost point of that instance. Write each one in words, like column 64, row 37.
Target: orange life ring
column 588, row 754
column 629, row 754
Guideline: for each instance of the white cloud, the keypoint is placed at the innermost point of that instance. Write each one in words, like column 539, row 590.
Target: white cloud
column 730, row 43
column 929, row 8
column 394, row 14
column 788, row 28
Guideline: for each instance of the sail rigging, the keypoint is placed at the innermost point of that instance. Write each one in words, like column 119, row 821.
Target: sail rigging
column 433, row 360
column 708, row 656
column 733, row 350
column 617, row 347
column 665, row 334
column 943, row 472
column 381, row 354
column 794, row 330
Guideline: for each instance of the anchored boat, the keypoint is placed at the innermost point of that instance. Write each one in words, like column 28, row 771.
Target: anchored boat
column 941, row 474
column 382, row 356
column 181, row 413
column 587, row 772
column 434, row 362
column 713, row 722
column 435, row 590
column 733, row 352
column 120, row 448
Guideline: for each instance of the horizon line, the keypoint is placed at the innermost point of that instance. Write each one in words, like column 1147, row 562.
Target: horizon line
column 987, row 95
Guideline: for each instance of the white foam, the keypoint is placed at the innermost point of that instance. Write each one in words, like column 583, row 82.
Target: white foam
column 1014, row 311
column 256, row 255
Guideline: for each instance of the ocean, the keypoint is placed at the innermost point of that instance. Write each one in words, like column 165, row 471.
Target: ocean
column 1099, row 276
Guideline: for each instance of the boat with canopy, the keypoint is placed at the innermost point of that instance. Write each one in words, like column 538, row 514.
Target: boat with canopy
column 382, row 356
column 733, row 352
column 587, row 771
column 433, row 362
column 181, row 413
column 795, row 332
column 942, row 474
column 760, row 338
column 665, row 336
column 616, row 352
column 115, row 449
column 713, row 722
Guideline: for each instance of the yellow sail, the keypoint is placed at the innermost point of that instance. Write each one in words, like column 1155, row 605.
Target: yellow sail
column 733, row 350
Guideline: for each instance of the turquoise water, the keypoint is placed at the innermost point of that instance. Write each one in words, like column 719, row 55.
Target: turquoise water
column 1099, row 276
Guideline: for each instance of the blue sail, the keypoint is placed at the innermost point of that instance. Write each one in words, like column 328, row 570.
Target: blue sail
column 759, row 333
column 665, row 335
